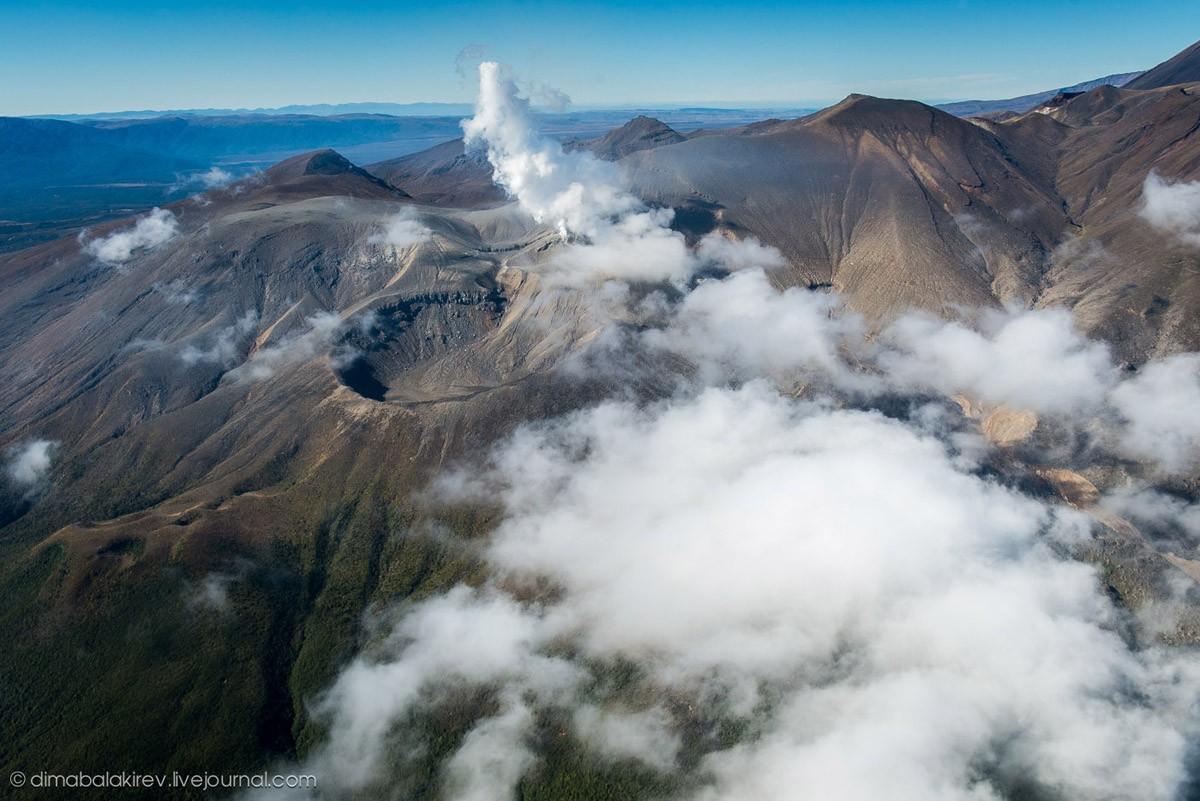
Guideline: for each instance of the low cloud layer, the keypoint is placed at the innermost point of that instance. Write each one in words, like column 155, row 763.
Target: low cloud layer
column 156, row 228
column 885, row 621
column 742, row 328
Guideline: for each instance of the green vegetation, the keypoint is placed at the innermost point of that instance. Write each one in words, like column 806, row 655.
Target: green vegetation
column 119, row 661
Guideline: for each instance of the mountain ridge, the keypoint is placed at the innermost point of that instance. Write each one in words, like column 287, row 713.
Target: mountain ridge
column 1183, row 67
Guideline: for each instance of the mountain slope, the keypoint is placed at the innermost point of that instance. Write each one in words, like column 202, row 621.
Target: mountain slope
column 1183, row 67
column 899, row 205
column 292, row 489
column 894, row 203
column 1126, row 281
column 443, row 175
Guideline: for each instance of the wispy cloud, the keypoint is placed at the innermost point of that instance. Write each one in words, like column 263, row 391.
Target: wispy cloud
column 28, row 463
column 215, row 177
column 223, row 348
column 402, row 230
column 155, row 229
column 265, row 363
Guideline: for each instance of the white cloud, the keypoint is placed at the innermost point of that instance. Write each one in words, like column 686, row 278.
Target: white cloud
column 29, row 462
column 647, row 736
column 494, row 755
column 265, row 363
column 742, row 327
column 1028, row 359
column 885, row 618
column 215, row 177
column 225, row 347
column 637, row 247
column 156, row 228
column 1160, row 406
column 737, row 254
column 212, row 594
column 176, row 292
column 401, row 230
column 465, row 636
column 1172, row 207
column 1160, row 514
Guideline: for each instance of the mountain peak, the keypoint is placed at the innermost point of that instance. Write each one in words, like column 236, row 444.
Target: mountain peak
column 640, row 133
column 317, row 162
column 866, row 111
column 328, row 162
column 325, row 172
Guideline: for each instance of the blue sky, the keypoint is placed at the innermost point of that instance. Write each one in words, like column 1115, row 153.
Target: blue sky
column 79, row 57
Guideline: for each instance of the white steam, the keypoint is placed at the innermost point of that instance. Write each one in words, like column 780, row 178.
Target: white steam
column 612, row 234
column 156, row 228
column 574, row 191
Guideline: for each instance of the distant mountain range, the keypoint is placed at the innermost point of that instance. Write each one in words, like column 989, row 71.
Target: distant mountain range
column 406, row 110
column 310, row 109
column 973, row 108
column 962, row 108
column 61, row 173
